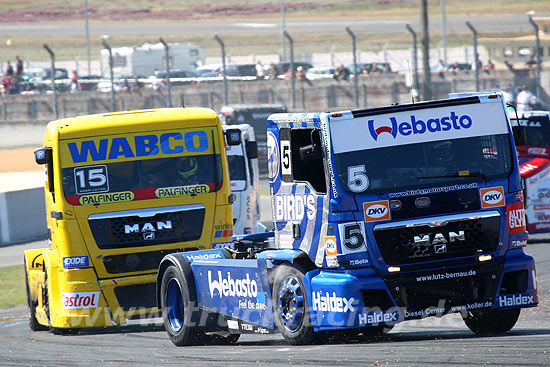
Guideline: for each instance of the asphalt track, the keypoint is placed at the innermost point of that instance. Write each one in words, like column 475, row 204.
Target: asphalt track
column 193, row 28
column 428, row 342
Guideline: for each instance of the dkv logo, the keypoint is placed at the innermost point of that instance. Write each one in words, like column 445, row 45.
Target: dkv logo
column 416, row 126
column 492, row 197
column 376, row 210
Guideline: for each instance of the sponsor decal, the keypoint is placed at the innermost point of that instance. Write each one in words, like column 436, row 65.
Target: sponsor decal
column 378, row 317
column 330, row 245
column 515, row 300
column 219, row 245
column 542, row 207
column 332, row 261
column 519, row 243
column 472, row 306
column 331, row 302
column 293, row 207
column 358, row 262
column 169, row 143
column 516, row 218
column 106, row 198
column 417, row 126
column 76, row 300
column 76, row 262
column 433, row 190
column 537, row 151
column 230, row 287
column 492, row 197
column 232, row 324
column 376, row 210
column 272, row 156
column 176, row 191
column 147, row 227
column 204, row 256
column 223, row 233
column 441, row 276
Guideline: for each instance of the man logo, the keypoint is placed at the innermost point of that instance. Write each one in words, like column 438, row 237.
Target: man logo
column 492, row 197
column 376, row 210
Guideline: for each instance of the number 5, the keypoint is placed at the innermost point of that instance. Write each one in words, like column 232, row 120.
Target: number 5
column 357, row 179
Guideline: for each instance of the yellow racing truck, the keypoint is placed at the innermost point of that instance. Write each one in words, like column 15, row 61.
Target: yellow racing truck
column 123, row 190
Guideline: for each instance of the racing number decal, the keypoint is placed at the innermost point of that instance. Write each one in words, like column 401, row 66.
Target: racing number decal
column 352, row 236
column 357, row 179
column 91, row 179
column 286, row 168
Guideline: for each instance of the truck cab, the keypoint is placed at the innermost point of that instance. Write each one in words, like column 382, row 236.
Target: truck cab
column 380, row 216
column 534, row 159
column 245, row 180
column 123, row 190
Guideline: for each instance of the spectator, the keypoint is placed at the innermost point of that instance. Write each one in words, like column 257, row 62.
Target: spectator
column 488, row 67
column 509, row 65
column 273, row 72
column 18, row 66
column 9, row 69
column 127, row 86
column 301, row 75
column 75, row 84
column 341, row 73
column 531, row 63
column 387, row 68
column 260, row 72
column 525, row 100
column 375, row 69
column 509, row 96
column 137, row 85
column 454, row 67
column 6, row 83
column 365, row 69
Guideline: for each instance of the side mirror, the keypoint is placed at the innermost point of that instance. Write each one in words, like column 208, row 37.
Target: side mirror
column 520, row 135
column 43, row 155
column 233, row 136
column 251, row 149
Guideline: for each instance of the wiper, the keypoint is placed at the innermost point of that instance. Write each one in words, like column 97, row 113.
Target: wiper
column 458, row 175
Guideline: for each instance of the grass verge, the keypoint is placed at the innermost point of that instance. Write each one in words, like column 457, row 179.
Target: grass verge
column 12, row 286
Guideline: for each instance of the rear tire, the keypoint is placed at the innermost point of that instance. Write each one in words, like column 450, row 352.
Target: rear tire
column 290, row 305
column 33, row 322
column 180, row 315
column 491, row 321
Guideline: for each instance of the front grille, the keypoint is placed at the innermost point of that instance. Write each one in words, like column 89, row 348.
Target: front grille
column 147, row 227
column 141, row 261
column 136, row 296
column 398, row 246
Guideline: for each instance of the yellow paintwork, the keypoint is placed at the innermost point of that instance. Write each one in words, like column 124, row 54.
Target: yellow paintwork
column 72, row 236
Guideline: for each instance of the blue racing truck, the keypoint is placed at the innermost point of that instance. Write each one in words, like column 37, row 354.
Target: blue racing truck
column 380, row 215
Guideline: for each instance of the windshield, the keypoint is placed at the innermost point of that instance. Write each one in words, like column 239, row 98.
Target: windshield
column 427, row 164
column 142, row 179
column 537, row 132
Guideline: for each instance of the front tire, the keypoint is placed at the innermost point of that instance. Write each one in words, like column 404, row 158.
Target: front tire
column 290, row 305
column 179, row 313
column 491, row 321
column 33, row 322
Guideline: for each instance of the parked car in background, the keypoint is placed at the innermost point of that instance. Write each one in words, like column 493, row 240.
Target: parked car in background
column 371, row 67
column 240, row 70
column 89, row 82
column 176, row 77
column 322, row 72
column 284, row 66
column 208, row 70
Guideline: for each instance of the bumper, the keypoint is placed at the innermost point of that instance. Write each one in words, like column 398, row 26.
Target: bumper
column 361, row 298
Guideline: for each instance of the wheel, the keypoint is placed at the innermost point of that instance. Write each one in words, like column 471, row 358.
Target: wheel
column 46, row 302
column 179, row 313
column 33, row 322
column 491, row 321
column 290, row 305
